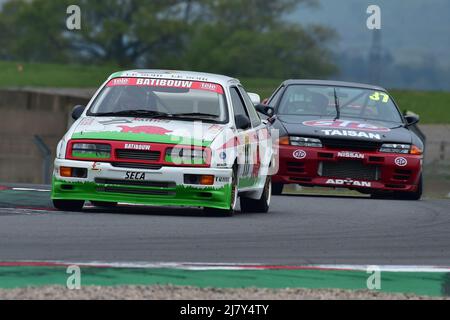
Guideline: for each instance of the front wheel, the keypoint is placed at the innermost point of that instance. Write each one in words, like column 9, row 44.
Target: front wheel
column 68, row 205
column 233, row 200
column 261, row 205
column 416, row 195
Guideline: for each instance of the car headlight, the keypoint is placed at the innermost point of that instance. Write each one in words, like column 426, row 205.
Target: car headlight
column 395, row 148
column 91, row 151
column 305, row 142
column 184, row 155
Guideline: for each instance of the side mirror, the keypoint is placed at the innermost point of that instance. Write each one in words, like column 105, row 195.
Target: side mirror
column 77, row 111
column 256, row 99
column 412, row 119
column 242, row 122
column 265, row 109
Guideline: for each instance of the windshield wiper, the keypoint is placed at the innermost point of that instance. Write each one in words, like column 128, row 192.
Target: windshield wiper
column 134, row 113
column 194, row 114
column 336, row 103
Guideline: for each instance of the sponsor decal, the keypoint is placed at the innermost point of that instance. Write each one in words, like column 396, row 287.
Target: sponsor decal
column 137, row 146
column 208, row 86
column 350, row 154
column 223, row 155
column 152, row 120
column 401, row 162
column 345, row 124
column 299, row 154
column 222, row 165
column 145, row 129
column 166, row 83
column 163, row 83
column 351, row 133
column 349, row 183
column 119, row 82
column 94, row 166
column 135, row 176
column 222, row 179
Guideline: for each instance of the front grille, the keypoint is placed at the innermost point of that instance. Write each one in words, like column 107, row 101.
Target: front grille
column 154, row 192
column 152, row 184
column 132, row 165
column 403, row 175
column 349, row 169
column 297, row 167
column 138, row 155
column 350, row 144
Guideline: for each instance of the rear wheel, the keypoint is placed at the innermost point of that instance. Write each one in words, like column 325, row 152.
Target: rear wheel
column 68, row 205
column 104, row 204
column 260, row 205
column 277, row 189
column 234, row 197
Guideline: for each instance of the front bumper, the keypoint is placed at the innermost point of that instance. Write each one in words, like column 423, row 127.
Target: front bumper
column 307, row 168
column 165, row 187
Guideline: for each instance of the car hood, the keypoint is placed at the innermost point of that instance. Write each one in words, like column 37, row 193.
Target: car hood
column 146, row 130
column 345, row 128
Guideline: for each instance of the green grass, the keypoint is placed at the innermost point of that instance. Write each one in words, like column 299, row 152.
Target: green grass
column 433, row 107
column 263, row 87
column 53, row 75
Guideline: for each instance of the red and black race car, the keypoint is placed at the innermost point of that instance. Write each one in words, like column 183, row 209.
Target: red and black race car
column 345, row 135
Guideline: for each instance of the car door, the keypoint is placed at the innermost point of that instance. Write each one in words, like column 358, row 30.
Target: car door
column 249, row 146
column 244, row 152
column 261, row 143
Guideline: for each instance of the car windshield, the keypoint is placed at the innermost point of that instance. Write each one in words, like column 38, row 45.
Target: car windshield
column 338, row 102
column 190, row 100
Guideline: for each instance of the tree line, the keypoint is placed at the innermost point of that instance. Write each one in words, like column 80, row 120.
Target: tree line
column 235, row 37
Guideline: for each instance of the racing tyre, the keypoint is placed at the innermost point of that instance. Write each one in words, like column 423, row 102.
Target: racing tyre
column 277, row 189
column 68, row 205
column 412, row 195
column 234, row 197
column 261, row 205
column 402, row 195
column 104, row 204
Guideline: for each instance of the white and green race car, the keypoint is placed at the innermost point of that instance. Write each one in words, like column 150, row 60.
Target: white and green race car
column 157, row 137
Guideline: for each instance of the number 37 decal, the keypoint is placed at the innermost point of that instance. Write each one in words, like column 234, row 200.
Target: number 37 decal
column 378, row 95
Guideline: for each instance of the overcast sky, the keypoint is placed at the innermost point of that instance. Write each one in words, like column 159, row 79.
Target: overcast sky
column 411, row 30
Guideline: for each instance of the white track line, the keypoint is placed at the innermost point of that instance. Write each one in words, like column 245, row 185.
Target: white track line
column 240, row 266
column 30, row 189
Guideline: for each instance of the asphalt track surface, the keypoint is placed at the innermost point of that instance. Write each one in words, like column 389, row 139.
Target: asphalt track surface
column 298, row 230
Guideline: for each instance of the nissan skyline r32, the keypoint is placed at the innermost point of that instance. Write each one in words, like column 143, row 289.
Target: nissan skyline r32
column 157, row 137
column 337, row 134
